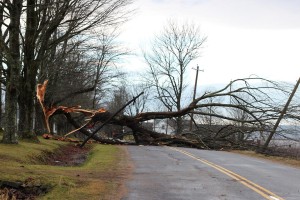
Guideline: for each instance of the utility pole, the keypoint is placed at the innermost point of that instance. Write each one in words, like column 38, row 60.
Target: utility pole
column 281, row 116
column 194, row 95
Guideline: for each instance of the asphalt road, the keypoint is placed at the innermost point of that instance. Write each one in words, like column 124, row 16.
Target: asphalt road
column 180, row 173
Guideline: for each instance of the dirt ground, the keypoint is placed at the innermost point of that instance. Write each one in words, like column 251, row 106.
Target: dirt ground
column 69, row 155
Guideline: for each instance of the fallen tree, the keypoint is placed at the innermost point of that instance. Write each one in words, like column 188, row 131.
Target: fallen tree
column 258, row 106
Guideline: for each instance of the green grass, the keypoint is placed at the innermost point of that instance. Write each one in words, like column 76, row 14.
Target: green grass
column 97, row 178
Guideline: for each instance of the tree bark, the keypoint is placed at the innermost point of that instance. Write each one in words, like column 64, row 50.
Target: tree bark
column 179, row 125
column 39, row 126
column 28, row 81
column 1, row 65
column 12, row 82
column 26, row 109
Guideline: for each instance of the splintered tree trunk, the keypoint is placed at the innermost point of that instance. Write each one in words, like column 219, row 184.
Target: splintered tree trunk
column 12, row 82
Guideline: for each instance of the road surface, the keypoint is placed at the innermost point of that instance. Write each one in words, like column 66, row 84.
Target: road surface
column 164, row 173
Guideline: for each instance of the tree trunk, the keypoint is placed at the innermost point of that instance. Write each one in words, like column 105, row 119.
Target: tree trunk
column 179, row 125
column 10, row 133
column 11, row 97
column 1, row 105
column 25, row 126
column 22, row 119
column 26, row 100
column 1, row 66
column 26, row 106
column 39, row 124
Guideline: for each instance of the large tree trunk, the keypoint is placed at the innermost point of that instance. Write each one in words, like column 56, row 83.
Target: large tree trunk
column 26, row 109
column 12, row 82
column 1, row 65
column 10, row 133
column 26, row 100
column 1, row 105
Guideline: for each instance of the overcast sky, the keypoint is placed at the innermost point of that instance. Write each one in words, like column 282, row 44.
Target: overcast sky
column 245, row 37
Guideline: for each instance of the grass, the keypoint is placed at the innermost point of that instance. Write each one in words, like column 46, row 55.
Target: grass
column 98, row 178
column 277, row 159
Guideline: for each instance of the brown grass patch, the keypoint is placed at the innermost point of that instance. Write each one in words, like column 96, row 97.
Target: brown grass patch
column 278, row 159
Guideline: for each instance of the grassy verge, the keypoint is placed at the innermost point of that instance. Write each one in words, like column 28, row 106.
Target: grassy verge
column 100, row 177
column 278, row 159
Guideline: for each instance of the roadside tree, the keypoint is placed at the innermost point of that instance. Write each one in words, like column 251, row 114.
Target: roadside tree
column 168, row 59
column 261, row 106
column 32, row 30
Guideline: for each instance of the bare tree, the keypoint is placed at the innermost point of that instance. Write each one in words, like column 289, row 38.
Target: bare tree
column 10, row 48
column 25, row 46
column 140, row 105
column 82, row 69
column 241, row 115
column 170, row 54
column 106, row 54
column 260, row 104
column 209, row 119
column 119, row 98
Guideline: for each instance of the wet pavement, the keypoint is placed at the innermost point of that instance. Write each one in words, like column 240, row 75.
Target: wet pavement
column 169, row 174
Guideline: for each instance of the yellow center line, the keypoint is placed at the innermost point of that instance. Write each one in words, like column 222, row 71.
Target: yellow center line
column 253, row 186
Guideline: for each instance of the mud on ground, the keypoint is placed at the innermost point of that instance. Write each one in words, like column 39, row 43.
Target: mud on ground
column 69, row 155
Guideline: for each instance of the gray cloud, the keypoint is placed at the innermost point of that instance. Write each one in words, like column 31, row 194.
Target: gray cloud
column 278, row 14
